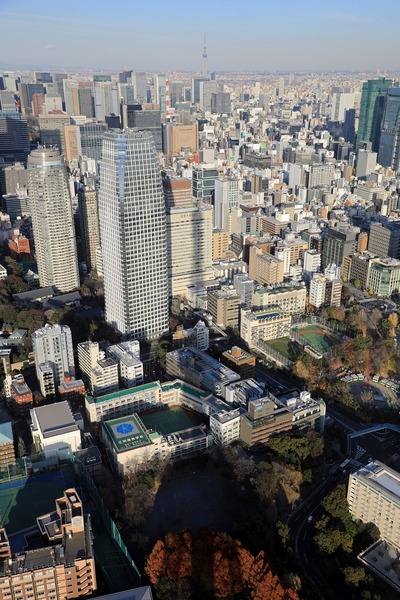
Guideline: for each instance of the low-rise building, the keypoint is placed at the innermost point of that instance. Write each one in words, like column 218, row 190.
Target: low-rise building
column 225, row 426
column 266, row 324
column 291, row 299
column 265, row 417
column 384, row 276
column 198, row 336
column 199, row 369
column 54, row 430
column 71, row 390
column 240, row 361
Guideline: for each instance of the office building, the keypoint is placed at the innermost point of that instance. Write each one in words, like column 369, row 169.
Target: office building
column 54, row 356
column 384, row 239
column 52, row 129
column 89, row 224
column 100, row 374
column 384, row 276
column 373, row 495
column 226, row 202
column 139, row 82
column 177, row 190
column 106, row 101
column 7, row 101
column 349, row 131
column 221, row 103
column 91, row 139
column 189, row 233
column 224, row 305
column 134, row 249
column 389, row 142
column 240, row 361
column 145, row 120
column 178, row 139
column 14, row 137
column 206, row 91
column 18, row 205
column 263, row 419
column 342, row 100
column 130, row 367
column 52, row 220
column 61, row 565
column 160, row 88
column 195, row 89
column 72, row 142
column 13, row 178
column 371, row 111
column 203, row 182
column 339, row 242
column 366, row 163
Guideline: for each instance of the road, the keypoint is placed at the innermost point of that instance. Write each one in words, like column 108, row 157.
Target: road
column 301, row 535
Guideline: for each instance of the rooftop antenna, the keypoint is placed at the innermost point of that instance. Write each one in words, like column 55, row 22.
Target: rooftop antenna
column 205, row 56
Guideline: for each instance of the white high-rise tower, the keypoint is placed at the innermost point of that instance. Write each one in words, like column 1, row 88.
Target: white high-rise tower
column 52, row 220
column 133, row 235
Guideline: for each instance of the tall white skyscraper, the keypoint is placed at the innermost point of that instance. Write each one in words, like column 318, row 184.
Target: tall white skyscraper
column 52, row 220
column 226, row 201
column 133, row 235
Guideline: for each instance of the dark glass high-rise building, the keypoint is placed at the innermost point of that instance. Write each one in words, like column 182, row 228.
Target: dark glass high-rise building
column 14, row 137
column 91, row 135
column 371, row 110
column 389, row 143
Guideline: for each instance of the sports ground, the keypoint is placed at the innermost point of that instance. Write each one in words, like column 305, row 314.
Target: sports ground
column 321, row 340
column 170, row 420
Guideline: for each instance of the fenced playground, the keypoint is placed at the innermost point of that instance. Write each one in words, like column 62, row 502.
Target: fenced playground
column 319, row 339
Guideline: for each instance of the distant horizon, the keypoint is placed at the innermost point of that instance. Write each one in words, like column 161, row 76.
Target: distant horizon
column 256, row 37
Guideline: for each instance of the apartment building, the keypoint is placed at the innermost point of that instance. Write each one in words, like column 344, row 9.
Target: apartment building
column 130, row 367
column 99, row 373
column 265, row 268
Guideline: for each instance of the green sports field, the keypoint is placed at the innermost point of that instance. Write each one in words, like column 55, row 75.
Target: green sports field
column 318, row 338
column 170, row 420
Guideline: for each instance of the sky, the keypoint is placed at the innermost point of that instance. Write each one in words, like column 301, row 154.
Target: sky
column 247, row 35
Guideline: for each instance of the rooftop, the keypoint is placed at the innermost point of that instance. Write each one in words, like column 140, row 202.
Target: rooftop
column 120, row 393
column 6, row 433
column 382, row 478
column 55, row 419
column 126, row 433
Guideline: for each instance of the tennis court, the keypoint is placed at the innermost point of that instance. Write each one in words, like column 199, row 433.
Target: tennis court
column 170, row 420
column 22, row 500
column 321, row 340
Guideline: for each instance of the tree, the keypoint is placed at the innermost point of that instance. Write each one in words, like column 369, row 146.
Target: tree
column 354, row 575
column 215, row 565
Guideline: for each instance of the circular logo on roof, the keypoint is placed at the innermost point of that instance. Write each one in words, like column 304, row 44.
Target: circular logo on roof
column 124, row 428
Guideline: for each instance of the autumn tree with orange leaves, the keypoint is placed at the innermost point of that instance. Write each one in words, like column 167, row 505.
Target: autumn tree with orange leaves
column 211, row 565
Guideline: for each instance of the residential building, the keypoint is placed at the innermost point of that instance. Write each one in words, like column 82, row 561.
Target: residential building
column 21, row 398
column 130, row 367
column 7, row 451
column 264, row 267
column 198, row 336
column 62, row 565
column 54, row 355
column 52, row 220
column 244, row 287
column 240, row 361
column 99, row 373
column 71, row 390
column 54, row 430
column 223, row 305
column 317, row 290
column 189, row 231
column 291, row 299
column 373, row 495
column 89, row 224
column 219, row 244
column 134, row 262
column 265, row 324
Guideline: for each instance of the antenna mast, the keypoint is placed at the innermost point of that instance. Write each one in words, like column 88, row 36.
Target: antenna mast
column 205, row 56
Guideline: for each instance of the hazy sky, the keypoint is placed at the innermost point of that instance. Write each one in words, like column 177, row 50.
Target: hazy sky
column 241, row 35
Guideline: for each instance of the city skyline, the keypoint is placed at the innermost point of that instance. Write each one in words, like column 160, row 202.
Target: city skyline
column 261, row 38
